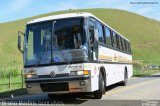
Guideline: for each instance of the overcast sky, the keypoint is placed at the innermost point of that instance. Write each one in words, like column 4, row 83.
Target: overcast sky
column 17, row 9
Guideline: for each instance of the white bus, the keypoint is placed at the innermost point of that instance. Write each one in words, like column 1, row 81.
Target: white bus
column 74, row 53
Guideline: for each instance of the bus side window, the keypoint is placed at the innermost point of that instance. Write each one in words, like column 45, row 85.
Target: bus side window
column 122, row 44
column 117, row 41
column 108, row 36
column 114, row 40
column 125, row 46
column 129, row 47
column 100, row 31
column 91, row 32
column 111, row 32
column 104, row 35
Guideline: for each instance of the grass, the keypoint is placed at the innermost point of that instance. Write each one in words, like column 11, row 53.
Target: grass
column 141, row 73
column 9, row 71
column 144, row 34
column 13, row 80
column 16, row 82
column 10, row 75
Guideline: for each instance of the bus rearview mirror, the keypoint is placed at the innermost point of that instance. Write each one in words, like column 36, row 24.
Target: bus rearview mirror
column 20, row 41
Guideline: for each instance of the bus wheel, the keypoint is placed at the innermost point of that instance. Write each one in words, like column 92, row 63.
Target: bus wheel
column 124, row 83
column 98, row 94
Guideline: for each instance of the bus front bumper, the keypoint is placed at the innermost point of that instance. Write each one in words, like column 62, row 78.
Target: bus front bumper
column 60, row 85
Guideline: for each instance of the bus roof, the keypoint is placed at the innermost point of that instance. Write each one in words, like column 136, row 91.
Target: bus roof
column 70, row 15
column 60, row 16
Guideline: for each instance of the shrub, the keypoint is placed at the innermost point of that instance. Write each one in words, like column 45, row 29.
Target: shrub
column 9, row 71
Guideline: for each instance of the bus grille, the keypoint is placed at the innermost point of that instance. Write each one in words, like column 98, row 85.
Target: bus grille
column 53, row 87
column 57, row 75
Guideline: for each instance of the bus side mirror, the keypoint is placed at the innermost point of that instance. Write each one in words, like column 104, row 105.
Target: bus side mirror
column 96, row 34
column 20, row 41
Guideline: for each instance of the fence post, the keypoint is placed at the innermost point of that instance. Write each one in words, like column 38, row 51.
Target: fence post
column 22, row 78
column 9, row 81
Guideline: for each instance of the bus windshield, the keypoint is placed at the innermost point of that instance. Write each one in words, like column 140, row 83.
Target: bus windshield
column 56, row 41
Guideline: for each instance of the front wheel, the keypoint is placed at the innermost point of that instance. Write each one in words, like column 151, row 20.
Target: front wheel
column 98, row 94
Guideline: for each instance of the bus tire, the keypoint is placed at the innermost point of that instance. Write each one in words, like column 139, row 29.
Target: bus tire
column 124, row 83
column 98, row 94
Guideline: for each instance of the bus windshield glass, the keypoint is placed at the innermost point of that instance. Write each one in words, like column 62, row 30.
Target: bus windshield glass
column 55, row 41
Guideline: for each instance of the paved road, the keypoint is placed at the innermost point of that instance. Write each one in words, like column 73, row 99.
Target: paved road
column 139, row 91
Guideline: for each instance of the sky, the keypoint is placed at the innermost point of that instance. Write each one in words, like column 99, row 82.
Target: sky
column 17, row 9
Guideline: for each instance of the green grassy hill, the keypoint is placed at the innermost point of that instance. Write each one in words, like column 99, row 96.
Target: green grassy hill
column 144, row 34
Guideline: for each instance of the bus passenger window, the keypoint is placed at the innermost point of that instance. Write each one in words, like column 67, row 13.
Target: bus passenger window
column 125, row 46
column 117, row 41
column 91, row 34
column 108, row 36
column 129, row 47
column 100, row 32
column 114, row 40
column 122, row 43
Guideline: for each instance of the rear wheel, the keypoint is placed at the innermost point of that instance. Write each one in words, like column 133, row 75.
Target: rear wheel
column 98, row 94
column 124, row 83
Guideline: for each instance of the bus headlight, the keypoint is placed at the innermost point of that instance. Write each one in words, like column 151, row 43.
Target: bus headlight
column 31, row 76
column 82, row 72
